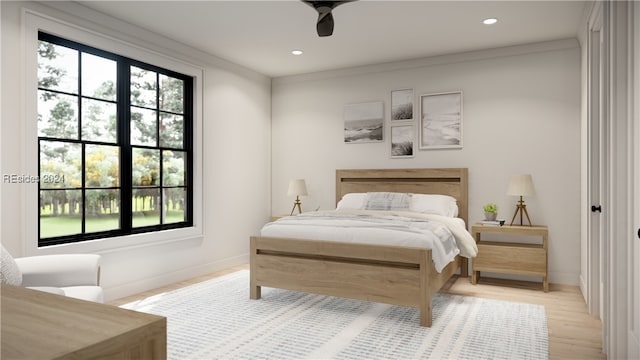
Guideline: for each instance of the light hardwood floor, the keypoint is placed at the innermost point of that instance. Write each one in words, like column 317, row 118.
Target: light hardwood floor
column 573, row 333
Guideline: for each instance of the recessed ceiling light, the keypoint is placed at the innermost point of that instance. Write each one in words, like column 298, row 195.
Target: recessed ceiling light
column 296, row 52
column 490, row 21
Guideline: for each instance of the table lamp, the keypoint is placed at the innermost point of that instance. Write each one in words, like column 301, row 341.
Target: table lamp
column 298, row 188
column 521, row 185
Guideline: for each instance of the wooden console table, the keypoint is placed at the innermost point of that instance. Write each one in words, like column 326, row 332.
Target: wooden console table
column 39, row 325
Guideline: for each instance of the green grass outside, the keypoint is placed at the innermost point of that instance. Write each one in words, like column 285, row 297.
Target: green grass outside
column 51, row 226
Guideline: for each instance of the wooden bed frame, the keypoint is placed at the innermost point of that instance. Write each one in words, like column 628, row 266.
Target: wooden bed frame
column 387, row 274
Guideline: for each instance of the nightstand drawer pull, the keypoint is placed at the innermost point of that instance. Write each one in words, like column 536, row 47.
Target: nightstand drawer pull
column 596, row 208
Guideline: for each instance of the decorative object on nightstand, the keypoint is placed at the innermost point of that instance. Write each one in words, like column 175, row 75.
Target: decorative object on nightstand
column 490, row 212
column 521, row 185
column 497, row 222
column 298, row 188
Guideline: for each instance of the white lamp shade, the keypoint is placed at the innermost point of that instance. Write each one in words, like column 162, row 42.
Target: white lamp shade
column 521, row 185
column 297, row 188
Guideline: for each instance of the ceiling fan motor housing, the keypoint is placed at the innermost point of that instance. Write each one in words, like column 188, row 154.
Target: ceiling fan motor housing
column 325, row 18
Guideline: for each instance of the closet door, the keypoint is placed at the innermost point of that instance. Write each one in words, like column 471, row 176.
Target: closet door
column 633, row 281
column 596, row 178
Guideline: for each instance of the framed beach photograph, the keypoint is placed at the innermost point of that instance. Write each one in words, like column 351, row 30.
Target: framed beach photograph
column 402, row 105
column 364, row 122
column 441, row 120
column 402, row 141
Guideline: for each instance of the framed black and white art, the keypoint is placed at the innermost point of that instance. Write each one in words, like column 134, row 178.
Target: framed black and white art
column 402, row 141
column 441, row 120
column 364, row 122
column 402, row 105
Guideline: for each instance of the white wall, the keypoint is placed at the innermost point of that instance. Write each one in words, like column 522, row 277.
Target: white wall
column 235, row 173
column 521, row 115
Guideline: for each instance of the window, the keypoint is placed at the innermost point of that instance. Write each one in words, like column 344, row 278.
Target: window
column 115, row 144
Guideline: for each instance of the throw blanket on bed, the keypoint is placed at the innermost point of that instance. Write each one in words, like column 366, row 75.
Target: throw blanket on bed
column 387, row 201
column 447, row 237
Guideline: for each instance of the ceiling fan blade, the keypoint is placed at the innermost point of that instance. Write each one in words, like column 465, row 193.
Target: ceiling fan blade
column 325, row 18
column 325, row 24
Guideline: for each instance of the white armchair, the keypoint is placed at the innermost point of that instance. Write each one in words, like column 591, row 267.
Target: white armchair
column 73, row 275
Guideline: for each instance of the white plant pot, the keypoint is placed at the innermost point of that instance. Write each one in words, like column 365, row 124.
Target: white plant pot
column 490, row 216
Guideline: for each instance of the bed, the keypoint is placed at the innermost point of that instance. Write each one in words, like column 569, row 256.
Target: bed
column 398, row 275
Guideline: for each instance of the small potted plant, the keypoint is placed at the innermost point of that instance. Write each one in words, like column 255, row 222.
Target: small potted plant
column 490, row 211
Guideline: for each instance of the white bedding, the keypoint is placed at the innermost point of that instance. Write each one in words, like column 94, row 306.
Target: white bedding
column 446, row 236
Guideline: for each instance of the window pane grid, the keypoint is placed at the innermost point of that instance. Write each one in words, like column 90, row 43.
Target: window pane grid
column 52, row 91
column 71, row 141
column 80, row 106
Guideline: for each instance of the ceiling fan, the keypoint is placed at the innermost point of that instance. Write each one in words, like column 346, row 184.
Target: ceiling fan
column 325, row 19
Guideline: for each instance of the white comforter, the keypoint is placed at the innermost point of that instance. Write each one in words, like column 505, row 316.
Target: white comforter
column 446, row 236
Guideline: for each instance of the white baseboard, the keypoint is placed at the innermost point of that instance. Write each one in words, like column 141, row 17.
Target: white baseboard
column 564, row 278
column 120, row 291
column 583, row 289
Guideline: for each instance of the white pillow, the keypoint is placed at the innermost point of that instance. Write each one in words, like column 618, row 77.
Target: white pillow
column 434, row 204
column 352, row 201
column 453, row 210
column 421, row 203
column 10, row 272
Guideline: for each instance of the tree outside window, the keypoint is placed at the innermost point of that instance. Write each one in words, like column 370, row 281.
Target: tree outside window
column 115, row 144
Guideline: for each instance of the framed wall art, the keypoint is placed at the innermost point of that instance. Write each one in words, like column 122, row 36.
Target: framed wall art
column 402, row 105
column 402, row 141
column 441, row 120
column 364, row 122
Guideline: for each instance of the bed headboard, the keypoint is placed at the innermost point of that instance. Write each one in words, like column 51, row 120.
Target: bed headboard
column 452, row 182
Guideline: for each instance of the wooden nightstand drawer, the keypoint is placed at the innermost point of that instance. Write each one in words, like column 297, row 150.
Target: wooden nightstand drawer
column 511, row 258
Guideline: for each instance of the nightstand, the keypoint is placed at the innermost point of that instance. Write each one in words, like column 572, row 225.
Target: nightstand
column 511, row 257
column 276, row 217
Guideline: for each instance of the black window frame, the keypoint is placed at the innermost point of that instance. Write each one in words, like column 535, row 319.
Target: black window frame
column 123, row 142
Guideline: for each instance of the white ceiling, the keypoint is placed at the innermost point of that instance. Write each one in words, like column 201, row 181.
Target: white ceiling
column 260, row 34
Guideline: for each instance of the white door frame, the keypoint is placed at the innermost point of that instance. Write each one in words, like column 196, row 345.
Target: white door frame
column 595, row 154
column 618, row 221
column 633, row 341
column 613, row 251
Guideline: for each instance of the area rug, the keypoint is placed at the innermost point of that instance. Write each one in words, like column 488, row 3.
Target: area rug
column 216, row 319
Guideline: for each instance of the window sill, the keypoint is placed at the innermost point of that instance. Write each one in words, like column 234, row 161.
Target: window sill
column 122, row 243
